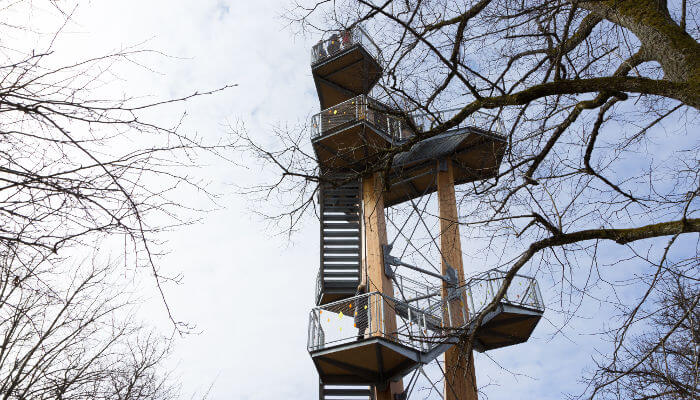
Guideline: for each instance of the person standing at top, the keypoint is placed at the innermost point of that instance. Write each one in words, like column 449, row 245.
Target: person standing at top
column 346, row 39
column 319, row 50
column 333, row 44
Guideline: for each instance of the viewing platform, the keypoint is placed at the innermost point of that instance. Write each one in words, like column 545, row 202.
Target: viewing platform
column 350, row 134
column 344, row 66
column 476, row 147
column 352, row 341
column 373, row 338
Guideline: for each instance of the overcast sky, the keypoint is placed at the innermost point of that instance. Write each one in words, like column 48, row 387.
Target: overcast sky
column 249, row 292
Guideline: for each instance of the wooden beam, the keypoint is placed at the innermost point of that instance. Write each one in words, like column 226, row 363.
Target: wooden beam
column 460, row 380
column 377, row 281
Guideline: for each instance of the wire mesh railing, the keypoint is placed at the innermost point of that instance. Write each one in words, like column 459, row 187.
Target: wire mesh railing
column 367, row 316
column 423, row 321
column 478, row 119
column 360, row 108
column 342, row 40
column 479, row 291
column 421, row 295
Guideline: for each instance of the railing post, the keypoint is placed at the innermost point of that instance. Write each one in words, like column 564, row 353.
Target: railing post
column 369, row 315
column 381, row 314
column 310, row 332
column 410, row 323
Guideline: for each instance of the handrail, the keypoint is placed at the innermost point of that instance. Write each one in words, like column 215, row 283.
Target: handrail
column 426, row 121
column 359, row 108
column 391, row 122
column 423, row 326
column 342, row 40
column 363, row 316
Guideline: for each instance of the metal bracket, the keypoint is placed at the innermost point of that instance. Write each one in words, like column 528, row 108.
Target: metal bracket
column 389, row 260
column 442, row 165
column 450, row 277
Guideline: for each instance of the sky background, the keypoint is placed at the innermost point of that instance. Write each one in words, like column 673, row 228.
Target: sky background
column 249, row 291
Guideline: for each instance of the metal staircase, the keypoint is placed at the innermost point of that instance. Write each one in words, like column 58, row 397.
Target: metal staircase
column 344, row 392
column 340, row 242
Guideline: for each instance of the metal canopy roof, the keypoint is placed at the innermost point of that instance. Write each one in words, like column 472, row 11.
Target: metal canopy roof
column 441, row 145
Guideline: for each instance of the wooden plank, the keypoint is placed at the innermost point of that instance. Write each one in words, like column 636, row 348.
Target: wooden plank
column 375, row 236
column 460, row 380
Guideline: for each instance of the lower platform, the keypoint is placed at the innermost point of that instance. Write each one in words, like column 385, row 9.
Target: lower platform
column 371, row 361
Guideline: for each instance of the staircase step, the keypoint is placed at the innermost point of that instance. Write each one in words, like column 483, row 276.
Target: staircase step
column 336, row 250
column 355, row 266
column 345, row 284
column 341, row 234
column 342, row 193
column 341, row 209
column 341, row 242
column 345, row 392
column 341, row 217
column 337, row 201
column 340, row 225
column 340, row 274
column 341, row 258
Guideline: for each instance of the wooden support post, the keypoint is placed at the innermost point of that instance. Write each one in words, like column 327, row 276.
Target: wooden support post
column 460, row 380
column 383, row 319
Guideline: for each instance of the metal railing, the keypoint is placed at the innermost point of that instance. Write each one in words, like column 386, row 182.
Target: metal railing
column 419, row 294
column 422, row 322
column 319, row 287
column 523, row 291
column 480, row 290
column 342, row 40
column 359, row 108
column 478, row 119
column 364, row 316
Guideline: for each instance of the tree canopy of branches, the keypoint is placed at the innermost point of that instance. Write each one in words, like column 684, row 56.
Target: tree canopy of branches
column 79, row 165
column 87, row 179
column 68, row 332
column 600, row 100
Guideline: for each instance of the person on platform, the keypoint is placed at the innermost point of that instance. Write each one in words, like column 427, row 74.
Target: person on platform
column 319, row 50
column 346, row 39
column 334, row 44
column 361, row 312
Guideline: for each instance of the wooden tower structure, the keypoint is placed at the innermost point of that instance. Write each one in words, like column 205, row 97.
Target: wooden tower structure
column 367, row 332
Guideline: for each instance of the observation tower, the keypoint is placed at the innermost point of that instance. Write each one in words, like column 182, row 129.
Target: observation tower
column 372, row 324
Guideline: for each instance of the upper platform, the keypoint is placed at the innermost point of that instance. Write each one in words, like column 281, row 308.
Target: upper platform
column 349, row 135
column 475, row 154
column 344, row 66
